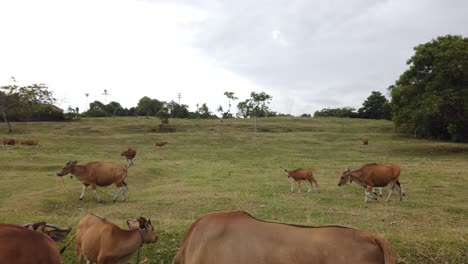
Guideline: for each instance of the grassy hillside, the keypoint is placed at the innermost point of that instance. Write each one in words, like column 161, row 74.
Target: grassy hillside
column 209, row 165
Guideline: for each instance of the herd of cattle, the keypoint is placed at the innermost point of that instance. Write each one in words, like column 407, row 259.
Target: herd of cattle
column 217, row 237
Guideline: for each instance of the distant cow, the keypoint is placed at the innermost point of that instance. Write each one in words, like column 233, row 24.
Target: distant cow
column 160, row 143
column 301, row 174
column 235, row 237
column 8, row 142
column 100, row 241
column 364, row 142
column 98, row 173
column 22, row 245
column 30, row 142
column 374, row 175
column 129, row 154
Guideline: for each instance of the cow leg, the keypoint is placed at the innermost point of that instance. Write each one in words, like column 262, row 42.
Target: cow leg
column 125, row 192
column 399, row 192
column 95, row 193
column 390, row 192
column 83, row 191
column 118, row 192
column 299, row 186
column 368, row 192
column 401, row 186
column 380, row 191
column 310, row 188
column 292, row 186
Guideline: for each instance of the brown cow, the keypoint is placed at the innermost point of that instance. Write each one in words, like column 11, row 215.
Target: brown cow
column 374, row 175
column 30, row 142
column 98, row 173
column 160, row 143
column 22, row 245
column 8, row 142
column 301, row 174
column 364, row 142
column 129, row 154
column 99, row 240
column 234, row 237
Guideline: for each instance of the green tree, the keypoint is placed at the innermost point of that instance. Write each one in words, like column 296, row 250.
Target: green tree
column 148, row 107
column 376, row 106
column 259, row 104
column 244, row 108
column 430, row 99
column 178, row 110
column 163, row 115
column 25, row 99
column 342, row 112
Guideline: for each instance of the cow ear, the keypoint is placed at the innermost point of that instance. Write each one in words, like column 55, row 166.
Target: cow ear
column 285, row 170
column 74, row 162
column 133, row 224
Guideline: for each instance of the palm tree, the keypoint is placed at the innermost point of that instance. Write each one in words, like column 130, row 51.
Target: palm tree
column 106, row 93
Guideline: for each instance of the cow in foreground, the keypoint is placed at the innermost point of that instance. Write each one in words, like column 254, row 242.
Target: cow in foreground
column 8, row 142
column 98, row 173
column 234, row 237
column 130, row 154
column 100, row 241
column 301, row 174
column 374, row 175
column 24, row 245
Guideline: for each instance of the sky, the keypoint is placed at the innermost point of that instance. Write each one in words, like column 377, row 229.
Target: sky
column 306, row 54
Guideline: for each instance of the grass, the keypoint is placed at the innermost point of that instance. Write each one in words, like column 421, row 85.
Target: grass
column 209, row 165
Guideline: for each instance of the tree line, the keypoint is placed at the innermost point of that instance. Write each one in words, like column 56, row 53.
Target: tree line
column 430, row 99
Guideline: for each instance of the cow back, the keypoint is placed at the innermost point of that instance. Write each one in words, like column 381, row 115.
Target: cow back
column 20, row 245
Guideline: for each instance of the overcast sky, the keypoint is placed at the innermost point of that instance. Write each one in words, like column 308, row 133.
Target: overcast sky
column 307, row 54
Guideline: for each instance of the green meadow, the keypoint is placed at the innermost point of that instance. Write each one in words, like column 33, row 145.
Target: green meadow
column 210, row 165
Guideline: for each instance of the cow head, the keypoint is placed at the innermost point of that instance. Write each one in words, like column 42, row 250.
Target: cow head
column 145, row 227
column 344, row 177
column 288, row 172
column 56, row 233
column 67, row 168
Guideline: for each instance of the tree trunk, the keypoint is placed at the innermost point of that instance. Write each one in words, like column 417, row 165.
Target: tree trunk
column 7, row 122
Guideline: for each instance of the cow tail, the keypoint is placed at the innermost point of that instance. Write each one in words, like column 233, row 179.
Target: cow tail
column 389, row 254
column 66, row 245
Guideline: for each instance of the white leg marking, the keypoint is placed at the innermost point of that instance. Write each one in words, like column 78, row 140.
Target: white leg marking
column 299, row 186
column 124, row 194
column 117, row 194
column 310, row 188
column 292, row 186
column 367, row 196
column 390, row 193
column 97, row 196
column 83, row 192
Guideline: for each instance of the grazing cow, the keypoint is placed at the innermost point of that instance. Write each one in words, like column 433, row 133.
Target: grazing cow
column 129, row 154
column 160, row 143
column 234, row 237
column 9, row 142
column 99, row 240
column 374, row 175
column 30, row 142
column 98, row 173
column 22, row 245
column 364, row 142
column 301, row 174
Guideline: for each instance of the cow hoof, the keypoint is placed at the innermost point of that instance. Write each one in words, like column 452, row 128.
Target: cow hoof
column 99, row 201
column 115, row 200
column 404, row 194
column 81, row 199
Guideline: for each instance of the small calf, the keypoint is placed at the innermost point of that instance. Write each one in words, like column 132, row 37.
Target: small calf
column 8, row 142
column 30, row 142
column 301, row 174
column 160, row 143
column 364, row 142
column 129, row 154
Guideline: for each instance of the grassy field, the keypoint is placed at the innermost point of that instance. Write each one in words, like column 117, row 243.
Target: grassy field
column 209, row 165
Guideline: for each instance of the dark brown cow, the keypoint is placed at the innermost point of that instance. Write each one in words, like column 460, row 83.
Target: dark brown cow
column 8, row 142
column 235, row 237
column 364, row 142
column 99, row 240
column 22, row 245
column 301, row 174
column 130, row 154
column 98, row 173
column 374, row 175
